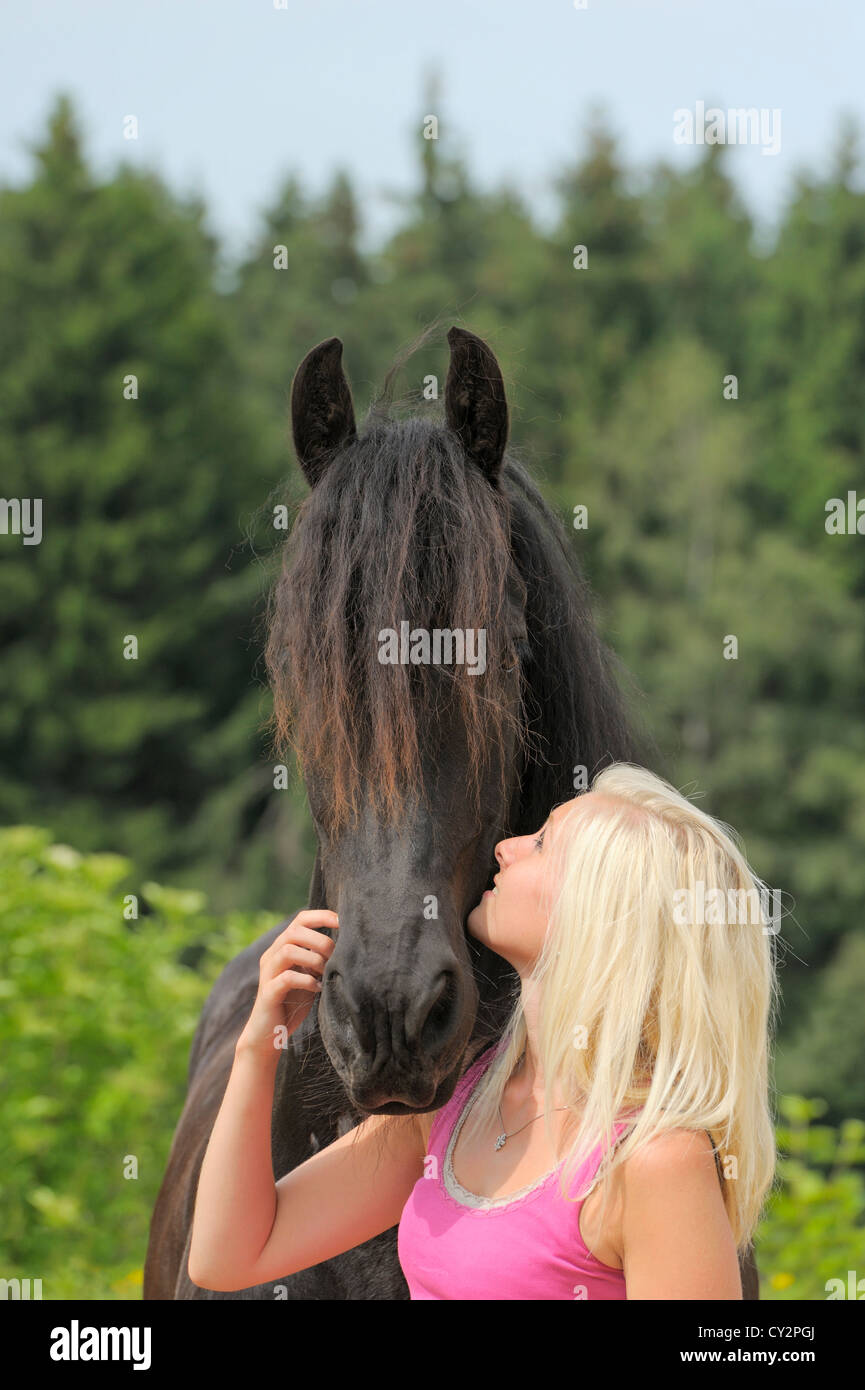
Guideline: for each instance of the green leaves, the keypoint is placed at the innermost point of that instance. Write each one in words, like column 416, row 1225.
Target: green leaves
column 145, row 499
column 96, row 1017
column 814, row 1228
column 705, row 518
column 96, row 1021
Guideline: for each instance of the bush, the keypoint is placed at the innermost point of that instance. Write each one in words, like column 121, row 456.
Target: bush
column 98, row 1012
column 97, row 1016
column 814, row 1228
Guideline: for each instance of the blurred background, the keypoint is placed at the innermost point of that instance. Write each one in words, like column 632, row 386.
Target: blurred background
column 193, row 196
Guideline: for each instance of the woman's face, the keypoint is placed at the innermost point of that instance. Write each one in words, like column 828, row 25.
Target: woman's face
column 512, row 919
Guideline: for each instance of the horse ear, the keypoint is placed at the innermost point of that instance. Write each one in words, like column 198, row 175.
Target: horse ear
column 475, row 404
column 322, row 413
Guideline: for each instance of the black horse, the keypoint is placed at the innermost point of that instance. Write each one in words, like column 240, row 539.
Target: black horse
column 414, row 770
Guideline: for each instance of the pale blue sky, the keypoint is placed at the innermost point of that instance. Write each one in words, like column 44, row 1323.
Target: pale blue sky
column 233, row 94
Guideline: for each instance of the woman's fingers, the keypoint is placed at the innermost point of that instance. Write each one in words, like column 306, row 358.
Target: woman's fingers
column 313, row 917
column 281, row 985
column 298, row 955
column 290, row 973
column 300, row 932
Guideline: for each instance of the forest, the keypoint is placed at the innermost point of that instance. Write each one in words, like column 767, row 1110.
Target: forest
column 687, row 391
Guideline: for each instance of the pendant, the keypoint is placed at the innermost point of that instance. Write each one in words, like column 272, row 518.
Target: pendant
column 500, row 1142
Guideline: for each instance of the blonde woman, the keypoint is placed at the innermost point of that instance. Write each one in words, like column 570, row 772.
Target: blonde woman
column 615, row 1143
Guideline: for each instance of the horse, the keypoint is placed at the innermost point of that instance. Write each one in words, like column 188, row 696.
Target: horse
column 414, row 770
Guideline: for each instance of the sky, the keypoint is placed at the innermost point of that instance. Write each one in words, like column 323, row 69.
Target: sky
column 232, row 96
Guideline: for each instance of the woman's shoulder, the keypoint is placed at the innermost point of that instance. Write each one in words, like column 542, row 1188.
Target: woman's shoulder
column 674, row 1164
column 674, row 1161
column 673, row 1229
column 672, row 1149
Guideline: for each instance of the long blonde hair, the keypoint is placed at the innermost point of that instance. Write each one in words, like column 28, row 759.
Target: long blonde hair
column 645, row 1003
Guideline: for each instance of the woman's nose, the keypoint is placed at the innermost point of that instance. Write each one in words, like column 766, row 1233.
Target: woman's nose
column 504, row 852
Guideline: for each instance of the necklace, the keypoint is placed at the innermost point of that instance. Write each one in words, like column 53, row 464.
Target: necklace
column 503, row 1138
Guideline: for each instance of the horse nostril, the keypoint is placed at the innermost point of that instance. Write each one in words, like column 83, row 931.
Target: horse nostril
column 442, row 1001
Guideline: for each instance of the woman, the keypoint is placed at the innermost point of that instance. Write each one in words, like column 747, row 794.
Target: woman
column 640, row 1036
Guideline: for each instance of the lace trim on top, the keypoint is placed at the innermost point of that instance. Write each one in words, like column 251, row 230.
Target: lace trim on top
column 462, row 1195
column 454, row 1189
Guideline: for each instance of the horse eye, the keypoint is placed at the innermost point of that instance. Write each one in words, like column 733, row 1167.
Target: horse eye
column 523, row 651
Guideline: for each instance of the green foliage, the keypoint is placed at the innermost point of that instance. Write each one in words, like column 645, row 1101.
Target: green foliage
column 814, row 1228
column 97, row 1017
column 824, row 1054
column 144, row 500
column 706, row 514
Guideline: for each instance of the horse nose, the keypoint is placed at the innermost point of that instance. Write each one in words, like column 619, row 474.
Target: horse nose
column 401, row 1019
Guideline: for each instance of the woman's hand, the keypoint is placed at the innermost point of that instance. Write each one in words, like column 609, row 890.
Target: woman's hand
column 289, row 977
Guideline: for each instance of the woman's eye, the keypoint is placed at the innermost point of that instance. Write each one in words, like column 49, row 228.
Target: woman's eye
column 540, row 840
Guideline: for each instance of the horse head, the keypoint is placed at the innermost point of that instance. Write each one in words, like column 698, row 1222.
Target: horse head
column 418, row 653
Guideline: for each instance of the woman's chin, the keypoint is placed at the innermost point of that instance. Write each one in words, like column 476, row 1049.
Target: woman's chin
column 477, row 918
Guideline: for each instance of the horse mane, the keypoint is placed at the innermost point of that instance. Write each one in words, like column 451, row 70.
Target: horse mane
column 345, row 575
column 575, row 685
column 350, row 570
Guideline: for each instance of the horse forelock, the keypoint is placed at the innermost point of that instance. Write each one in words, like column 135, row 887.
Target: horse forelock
column 400, row 529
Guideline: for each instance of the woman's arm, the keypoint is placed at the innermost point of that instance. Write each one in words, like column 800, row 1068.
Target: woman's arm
column 248, row 1230
column 677, row 1242
column 235, row 1203
column 245, row 1229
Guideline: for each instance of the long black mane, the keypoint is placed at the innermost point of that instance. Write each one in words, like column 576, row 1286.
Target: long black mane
column 431, row 521
column 351, row 569
column 347, row 573
column 574, row 683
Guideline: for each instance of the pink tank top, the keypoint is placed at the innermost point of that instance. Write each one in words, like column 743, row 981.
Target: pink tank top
column 455, row 1245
